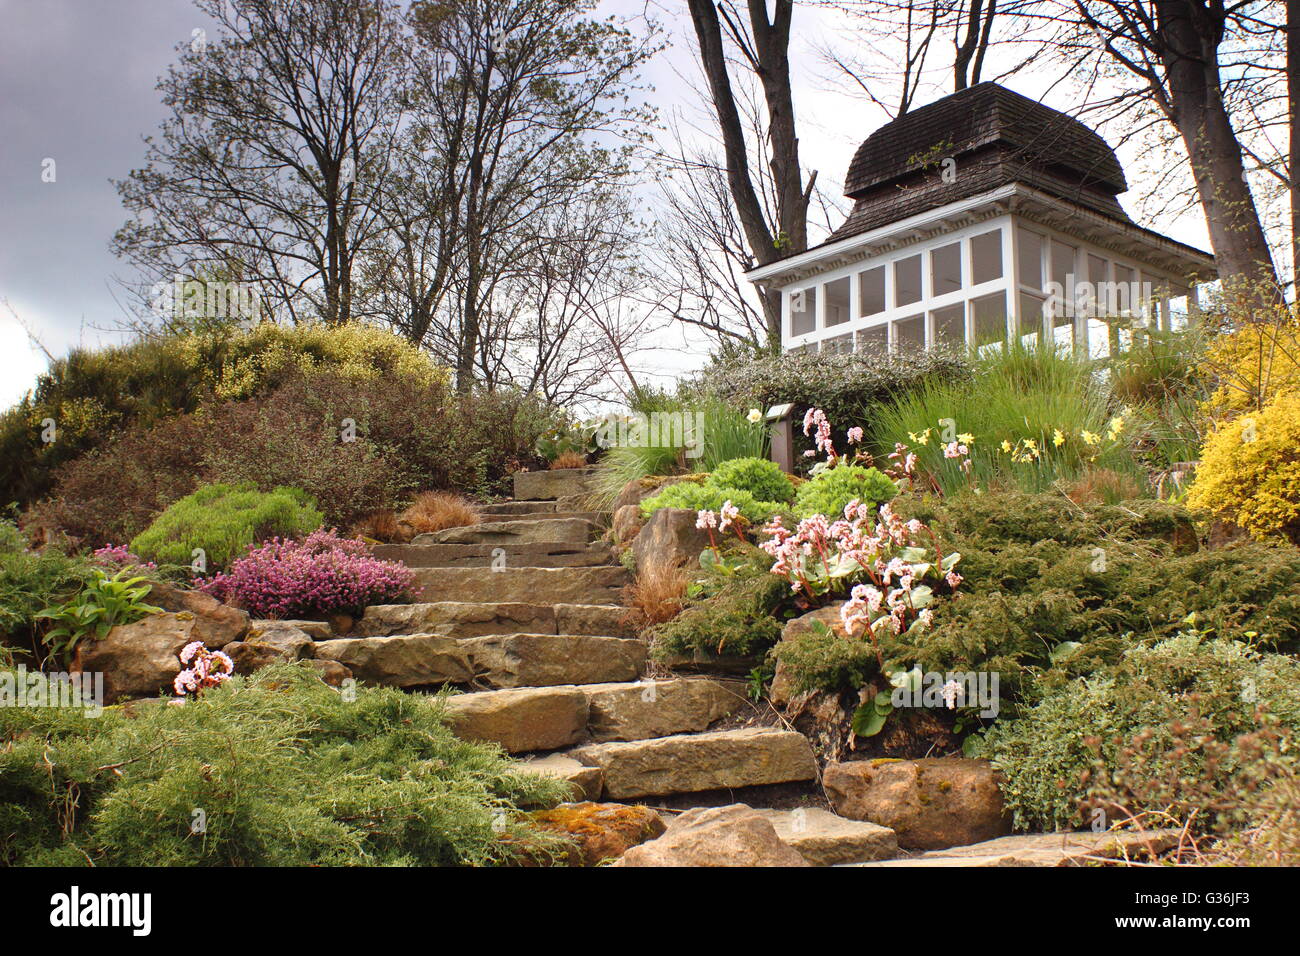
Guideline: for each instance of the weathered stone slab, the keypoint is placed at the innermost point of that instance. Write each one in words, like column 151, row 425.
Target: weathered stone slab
column 734, row 835
column 455, row 619
column 523, row 719
column 587, row 782
column 486, row 556
column 598, row 585
column 690, row 763
column 553, row 483
column 932, row 804
column 531, row 530
column 823, row 839
column 606, row 619
column 669, row 537
column 414, row 660
column 657, row 708
column 1046, row 849
column 544, row 660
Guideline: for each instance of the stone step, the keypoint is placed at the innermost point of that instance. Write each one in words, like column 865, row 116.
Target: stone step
column 602, row 584
column 497, row 660
column 600, row 518
column 548, row 660
column 823, row 839
column 659, row 708
column 587, row 782
column 555, row 483
column 548, row 554
column 526, row 718
column 517, row 508
column 521, row 719
column 546, row 530
column 688, row 763
column 458, row 619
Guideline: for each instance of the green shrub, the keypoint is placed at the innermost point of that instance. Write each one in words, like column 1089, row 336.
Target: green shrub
column 1067, row 749
column 761, row 477
column 93, row 395
column 224, row 520
column 104, row 603
column 30, row 582
column 829, row 491
column 1042, row 575
column 825, row 660
column 736, row 615
column 685, row 494
column 287, row 771
column 408, row 437
column 842, row 384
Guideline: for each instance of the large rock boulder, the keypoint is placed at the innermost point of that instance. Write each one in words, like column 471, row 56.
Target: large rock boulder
column 734, row 835
column 823, row 839
column 626, row 525
column 669, row 538
column 216, row 624
column 599, row 831
column 647, row 709
column 270, row 642
column 140, row 659
column 782, row 689
column 931, row 804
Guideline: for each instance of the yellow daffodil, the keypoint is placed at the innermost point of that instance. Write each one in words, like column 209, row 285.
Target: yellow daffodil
column 1058, row 439
column 966, row 438
column 1006, row 445
column 1089, row 438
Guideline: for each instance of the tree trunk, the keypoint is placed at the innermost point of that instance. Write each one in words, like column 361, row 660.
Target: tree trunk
column 1190, row 37
column 1293, row 112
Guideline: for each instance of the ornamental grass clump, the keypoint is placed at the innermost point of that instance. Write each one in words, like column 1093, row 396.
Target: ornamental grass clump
column 321, row 575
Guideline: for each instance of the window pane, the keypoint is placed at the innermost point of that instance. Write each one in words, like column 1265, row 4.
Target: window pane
column 1029, row 319
column 1063, row 266
column 840, row 343
column 871, row 290
column 986, row 256
column 874, row 339
column 1098, row 287
column 945, row 269
column 1030, row 258
column 803, row 311
column 909, row 333
column 950, row 325
column 837, row 301
column 907, row 281
column 989, row 317
column 1123, row 297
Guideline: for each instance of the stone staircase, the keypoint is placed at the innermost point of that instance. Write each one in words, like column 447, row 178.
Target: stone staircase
column 523, row 612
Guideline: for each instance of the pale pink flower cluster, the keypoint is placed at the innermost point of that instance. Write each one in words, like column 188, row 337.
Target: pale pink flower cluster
column 728, row 515
column 706, row 520
column 855, row 435
column 957, row 450
column 204, row 669
column 816, row 419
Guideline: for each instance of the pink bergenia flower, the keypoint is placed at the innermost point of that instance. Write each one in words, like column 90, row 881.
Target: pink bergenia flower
column 729, row 514
column 855, row 436
column 706, row 520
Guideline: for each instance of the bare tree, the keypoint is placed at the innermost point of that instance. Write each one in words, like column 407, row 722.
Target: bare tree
column 525, row 102
column 761, row 43
column 1175, row 49
column 279, row 133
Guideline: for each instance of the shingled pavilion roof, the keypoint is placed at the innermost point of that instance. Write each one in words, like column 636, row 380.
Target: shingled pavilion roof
column 996, row 137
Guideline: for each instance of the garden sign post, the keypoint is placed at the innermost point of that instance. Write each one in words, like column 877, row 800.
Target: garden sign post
column 782, row 452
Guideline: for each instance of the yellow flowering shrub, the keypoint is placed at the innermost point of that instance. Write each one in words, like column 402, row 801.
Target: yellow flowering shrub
column 1255, row 363
column 1250, row 470
column 249, row 361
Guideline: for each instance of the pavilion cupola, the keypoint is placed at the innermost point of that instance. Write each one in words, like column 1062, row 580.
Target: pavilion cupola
column 979, row 217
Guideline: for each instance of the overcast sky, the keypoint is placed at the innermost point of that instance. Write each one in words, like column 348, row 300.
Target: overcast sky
column 77, row 86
